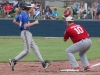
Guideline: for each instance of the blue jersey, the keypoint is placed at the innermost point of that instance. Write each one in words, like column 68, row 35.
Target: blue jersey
column 54, row 14
column 98, row 6
column 17, row 18
column 77, row 6
column 24, row 18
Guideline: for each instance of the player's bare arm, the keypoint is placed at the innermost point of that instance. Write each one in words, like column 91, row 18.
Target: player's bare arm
column 31, row 24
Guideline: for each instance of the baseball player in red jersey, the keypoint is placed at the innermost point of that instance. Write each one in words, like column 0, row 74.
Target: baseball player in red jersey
column 81, row 43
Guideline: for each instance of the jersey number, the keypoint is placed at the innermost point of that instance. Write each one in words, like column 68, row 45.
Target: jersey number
column 79, row 30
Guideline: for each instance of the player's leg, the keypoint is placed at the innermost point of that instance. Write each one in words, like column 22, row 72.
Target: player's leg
column 69, row 52
column 25, row 35
column 77, row 47
column 83, row 57
column 35, row 49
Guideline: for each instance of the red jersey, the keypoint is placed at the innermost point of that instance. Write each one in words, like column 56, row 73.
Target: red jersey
column 67, row 13
column 76, row 33
column 8, row 7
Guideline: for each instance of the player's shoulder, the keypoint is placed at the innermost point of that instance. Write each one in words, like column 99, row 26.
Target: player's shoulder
column 16, row 16
column 77, row 25
column 73, row 26
column 19, row 15
column 68, row 29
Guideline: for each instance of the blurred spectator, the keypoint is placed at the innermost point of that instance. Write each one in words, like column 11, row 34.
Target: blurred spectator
column 7, row 10
column 67, row 12
column 98, row 11
column 93, row 10
column 37, row 10
column 77, row 5
column 4, row 2
column 33, row 3
column 55, row 15
column 81, row 11
column 18, row 6
column 14, row 3
column 76, row 8
column 88, row 15
column 1, row 10
column 47, row 13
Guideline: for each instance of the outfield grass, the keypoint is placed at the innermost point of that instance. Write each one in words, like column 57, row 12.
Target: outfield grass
column 51, row 49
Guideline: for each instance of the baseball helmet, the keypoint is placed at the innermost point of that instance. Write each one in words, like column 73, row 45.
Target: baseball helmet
column 69, row 18
column 26, row 7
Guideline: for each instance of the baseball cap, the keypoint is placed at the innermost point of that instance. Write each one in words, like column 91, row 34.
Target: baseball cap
column 69, row 18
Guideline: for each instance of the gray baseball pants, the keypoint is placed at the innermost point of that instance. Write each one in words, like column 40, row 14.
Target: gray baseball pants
column 28, row 43
column 82, row 47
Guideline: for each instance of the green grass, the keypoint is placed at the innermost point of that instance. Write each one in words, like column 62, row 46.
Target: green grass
column 51, row 49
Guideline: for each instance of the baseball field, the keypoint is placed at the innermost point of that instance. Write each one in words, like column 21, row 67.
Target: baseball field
column 50, row 49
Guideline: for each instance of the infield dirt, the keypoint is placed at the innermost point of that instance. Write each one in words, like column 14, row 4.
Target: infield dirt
column 35, row 68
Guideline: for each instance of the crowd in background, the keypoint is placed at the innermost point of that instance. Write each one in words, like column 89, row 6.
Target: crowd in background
column 8, row 8
column 79, row 10
column 83, row 11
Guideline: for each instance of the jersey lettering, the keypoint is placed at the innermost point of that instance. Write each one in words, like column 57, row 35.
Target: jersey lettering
column 79, row 30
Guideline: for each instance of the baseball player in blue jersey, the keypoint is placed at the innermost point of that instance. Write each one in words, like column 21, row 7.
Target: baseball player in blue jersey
column 22, row 20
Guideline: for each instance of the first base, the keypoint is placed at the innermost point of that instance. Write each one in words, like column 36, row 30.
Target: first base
column 95, row 65
column 69, row 70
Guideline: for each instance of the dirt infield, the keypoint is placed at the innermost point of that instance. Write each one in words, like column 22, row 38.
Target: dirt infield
column 35, row 68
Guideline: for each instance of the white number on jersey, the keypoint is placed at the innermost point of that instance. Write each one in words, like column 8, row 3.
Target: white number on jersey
column 79, row 30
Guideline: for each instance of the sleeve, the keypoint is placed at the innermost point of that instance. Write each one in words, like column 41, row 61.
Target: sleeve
column 66, row 35
column 16, row 18
column 58, row 13
column 64, row 12
column 20, row 19
column 52, row 14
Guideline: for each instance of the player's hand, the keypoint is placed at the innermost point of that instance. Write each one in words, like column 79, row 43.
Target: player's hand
column 36, row 22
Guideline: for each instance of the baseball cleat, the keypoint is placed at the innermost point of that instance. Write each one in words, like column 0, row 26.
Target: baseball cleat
column 12, row 64
column 87, row 68
column 77, row 68
column 46, row 64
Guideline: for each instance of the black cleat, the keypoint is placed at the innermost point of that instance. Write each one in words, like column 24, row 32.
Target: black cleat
column 46, row 64
column 12, row 64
